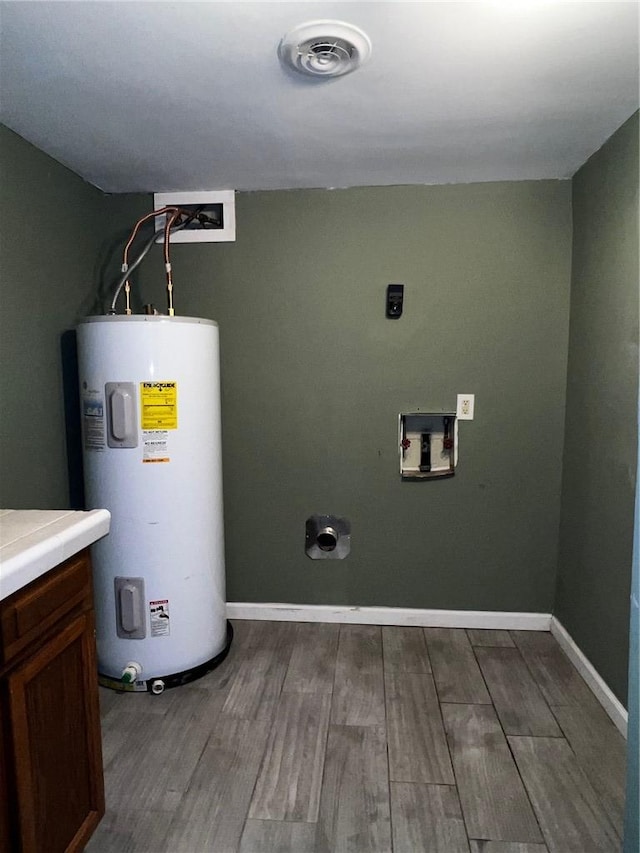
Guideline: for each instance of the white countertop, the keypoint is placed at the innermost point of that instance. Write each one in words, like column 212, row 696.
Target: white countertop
column 32, row 541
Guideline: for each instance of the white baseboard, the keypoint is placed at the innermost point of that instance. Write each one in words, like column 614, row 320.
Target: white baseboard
column 406, row 616
column 611, row 704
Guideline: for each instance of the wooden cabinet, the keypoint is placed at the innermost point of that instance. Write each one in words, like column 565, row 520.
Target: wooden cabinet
column 51, row 782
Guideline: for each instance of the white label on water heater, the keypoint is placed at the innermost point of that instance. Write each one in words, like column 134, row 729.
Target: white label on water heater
column 159, row 616
column 155, row 445
column 92, row 418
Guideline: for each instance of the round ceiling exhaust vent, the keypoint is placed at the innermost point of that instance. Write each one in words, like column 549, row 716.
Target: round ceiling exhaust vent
column 325, row 48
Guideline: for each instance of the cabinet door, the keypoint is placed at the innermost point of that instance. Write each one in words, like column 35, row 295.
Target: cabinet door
column 7, row 804
column 53, row 701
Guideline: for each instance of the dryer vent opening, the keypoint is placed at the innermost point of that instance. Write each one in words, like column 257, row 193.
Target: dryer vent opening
column 327, row 540
column 327, row 537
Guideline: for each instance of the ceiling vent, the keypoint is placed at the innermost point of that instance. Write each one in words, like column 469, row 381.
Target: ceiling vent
column 325, row 48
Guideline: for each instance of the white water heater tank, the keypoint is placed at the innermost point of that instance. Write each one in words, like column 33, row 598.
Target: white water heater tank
column 150, row 407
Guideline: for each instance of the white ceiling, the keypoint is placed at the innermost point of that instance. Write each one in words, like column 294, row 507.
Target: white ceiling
column 190, row 95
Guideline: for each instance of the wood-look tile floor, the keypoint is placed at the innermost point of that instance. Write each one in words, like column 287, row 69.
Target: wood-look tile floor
column 318, row 738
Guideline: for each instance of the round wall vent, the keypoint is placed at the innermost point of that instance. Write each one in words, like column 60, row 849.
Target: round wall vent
column 325, row 48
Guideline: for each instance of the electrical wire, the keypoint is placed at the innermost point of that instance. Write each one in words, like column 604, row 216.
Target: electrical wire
column 168, row 225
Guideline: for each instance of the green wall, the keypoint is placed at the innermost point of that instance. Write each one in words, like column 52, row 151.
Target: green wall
column 601, row 424
column 314, row 376
column 56, row 236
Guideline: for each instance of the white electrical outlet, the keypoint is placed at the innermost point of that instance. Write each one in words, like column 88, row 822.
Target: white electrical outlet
column 466, row 405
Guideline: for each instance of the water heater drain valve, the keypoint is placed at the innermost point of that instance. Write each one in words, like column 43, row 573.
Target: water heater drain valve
column 131, row 673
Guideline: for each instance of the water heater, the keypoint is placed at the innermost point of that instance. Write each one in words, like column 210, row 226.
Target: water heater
column 150, row 406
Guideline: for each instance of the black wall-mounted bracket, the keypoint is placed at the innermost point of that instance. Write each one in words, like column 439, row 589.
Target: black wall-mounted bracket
column 395, row 298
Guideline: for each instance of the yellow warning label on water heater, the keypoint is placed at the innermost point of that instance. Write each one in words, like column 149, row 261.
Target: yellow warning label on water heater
column 159, row 405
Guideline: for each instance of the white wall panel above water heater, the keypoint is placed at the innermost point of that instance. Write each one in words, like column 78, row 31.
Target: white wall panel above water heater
column 150, row 396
